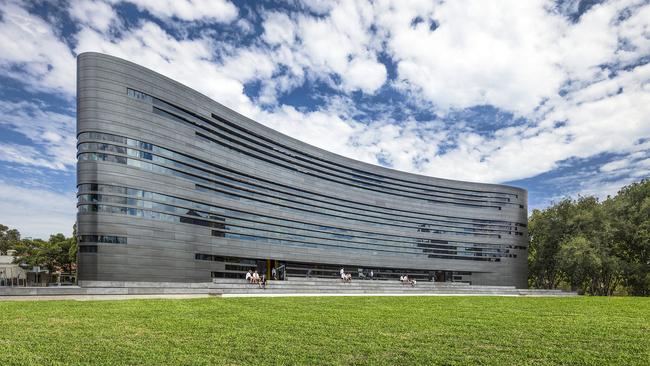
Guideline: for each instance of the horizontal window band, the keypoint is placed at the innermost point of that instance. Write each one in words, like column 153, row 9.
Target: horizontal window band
column 260, row 218
column 426, row 227
column 136, row 163
column 233, row 218
column 150, row 215
column 292, row 242
column 183, row 202
column 186, row 159
column 88, row 249
column 107, row 239
column 122, row 196
column 417, row 185
column 83, row 147
column 145, row 155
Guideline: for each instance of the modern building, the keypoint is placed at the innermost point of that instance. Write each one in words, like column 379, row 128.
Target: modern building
column 175, row 187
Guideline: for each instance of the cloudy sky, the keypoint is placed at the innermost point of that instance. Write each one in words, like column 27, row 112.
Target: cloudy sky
column 551, row 96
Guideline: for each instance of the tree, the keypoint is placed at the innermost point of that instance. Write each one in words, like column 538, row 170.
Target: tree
column 547, row 230
column 9, row 238
column 579, row 262
column 37, row 252
column 631, row 226
column 593, row 246
column 58, row 252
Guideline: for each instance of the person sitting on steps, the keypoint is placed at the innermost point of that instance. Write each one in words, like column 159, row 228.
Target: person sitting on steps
column 249, row 276
column 262, row 282
column 405, row 279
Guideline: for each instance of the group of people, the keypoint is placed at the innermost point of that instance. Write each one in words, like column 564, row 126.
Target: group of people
column 364, row 276
column 346, row 277
column 254, row 278
column 405, row 280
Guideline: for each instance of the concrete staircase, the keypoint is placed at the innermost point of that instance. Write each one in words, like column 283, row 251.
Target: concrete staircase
column 295, row 286
column 315, row 286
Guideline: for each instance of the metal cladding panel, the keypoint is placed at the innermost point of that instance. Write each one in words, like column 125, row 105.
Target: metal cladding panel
column 176, row 174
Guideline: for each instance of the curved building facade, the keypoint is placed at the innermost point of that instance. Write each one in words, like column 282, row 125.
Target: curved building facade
column 175, row 187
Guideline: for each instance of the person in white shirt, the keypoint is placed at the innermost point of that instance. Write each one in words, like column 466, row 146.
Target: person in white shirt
column 249, row 276
column 256, row 277
column 342, row 272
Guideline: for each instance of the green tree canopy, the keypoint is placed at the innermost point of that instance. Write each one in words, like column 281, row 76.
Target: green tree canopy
column 58, row 252
column 593, row 246
column 9, row 238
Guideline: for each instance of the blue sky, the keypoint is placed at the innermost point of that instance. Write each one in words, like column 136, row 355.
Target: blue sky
column 550, row 96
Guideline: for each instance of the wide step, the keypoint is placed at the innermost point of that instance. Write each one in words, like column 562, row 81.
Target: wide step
column 316, row 286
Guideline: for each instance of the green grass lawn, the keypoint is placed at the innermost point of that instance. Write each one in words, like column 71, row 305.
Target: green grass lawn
column 328, row 330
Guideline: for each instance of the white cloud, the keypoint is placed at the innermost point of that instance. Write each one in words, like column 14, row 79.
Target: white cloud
column 598, row 123
column 32, row 53
column 278, row 28
column 320, row 7
column 26, row 155
column 611, row 176
column 221, row 11
column 589, row 43
column 637, row 161
column 496, row 53
column 53, row 132
column 94, row 13
column 338, row 43
column 249, row 64
column 364, row 74
column 24, row 209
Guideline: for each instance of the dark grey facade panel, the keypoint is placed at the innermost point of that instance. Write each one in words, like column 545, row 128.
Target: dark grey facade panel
column 167, row 176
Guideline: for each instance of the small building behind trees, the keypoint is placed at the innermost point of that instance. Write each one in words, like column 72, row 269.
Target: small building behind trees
column 11, row 274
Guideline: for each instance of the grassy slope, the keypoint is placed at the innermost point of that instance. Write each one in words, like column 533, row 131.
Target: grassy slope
column 391, row 331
